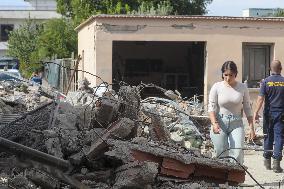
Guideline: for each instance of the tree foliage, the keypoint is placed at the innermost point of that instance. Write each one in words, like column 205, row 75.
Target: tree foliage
column 32, row 43
column 79, row 10
column 22, row 44
column 57, row 38
column 148, row 8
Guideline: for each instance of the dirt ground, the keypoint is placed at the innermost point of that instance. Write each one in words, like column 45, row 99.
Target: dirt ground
column 267, row 178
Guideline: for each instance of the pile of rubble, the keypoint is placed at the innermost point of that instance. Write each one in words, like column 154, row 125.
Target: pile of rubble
column 114, row 140
column 17, row 98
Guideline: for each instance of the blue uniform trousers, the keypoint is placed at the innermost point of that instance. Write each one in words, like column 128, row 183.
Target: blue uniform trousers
column 274, row 134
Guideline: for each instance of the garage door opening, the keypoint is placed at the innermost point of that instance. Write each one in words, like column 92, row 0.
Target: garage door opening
column 171, row 65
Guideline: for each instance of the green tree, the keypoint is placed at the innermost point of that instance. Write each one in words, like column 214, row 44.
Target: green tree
column 58, row 37
column 32, row 43
column 183, row 7
column 79, row 10
column 22, row 44
column 189, row 7
column 148, row 8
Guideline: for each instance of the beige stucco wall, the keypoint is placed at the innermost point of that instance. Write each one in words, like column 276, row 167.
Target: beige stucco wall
column 224, row 40
column 86, row 49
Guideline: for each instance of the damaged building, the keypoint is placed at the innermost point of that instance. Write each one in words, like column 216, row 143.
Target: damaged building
column 183, row 53
column 127, row 133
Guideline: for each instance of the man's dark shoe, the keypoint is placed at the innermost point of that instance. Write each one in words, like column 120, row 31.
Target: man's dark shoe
column 267, row 163
column 276, row 166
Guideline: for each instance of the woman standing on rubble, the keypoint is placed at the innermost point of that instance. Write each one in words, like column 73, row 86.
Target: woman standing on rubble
column 227, row 98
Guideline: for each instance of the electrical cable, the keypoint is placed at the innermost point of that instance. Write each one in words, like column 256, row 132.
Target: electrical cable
column 76, row 70
column 159, row 115
column 142, row 86
column 261, row 150
column 230, row 157
column 180, row 111
column 103, row 82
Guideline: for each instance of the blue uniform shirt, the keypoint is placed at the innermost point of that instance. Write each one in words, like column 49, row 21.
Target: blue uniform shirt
column 272, row 89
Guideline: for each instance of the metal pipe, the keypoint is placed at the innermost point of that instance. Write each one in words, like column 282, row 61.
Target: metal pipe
column 29, row 153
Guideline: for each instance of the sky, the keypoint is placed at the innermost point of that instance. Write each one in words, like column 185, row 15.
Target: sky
column 20, row 3
column 216, row 8
column 235, row 7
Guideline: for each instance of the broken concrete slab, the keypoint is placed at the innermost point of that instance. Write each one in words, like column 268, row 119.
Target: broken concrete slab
column 106, row 110
column 136, row 175
column 53, row 147
column 41, row 179
column 119, row 129
column 176, row 120
column 97, row 176
column 176, row 162
column 158, row 130
column 24, row 129
column 130, row 99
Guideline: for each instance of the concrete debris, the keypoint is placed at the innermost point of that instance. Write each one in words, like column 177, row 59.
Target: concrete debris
column 84, row 85
column 27, row 129
column 136, row 175
column 176, row 162
column 30, row 97
column 106, row 110
column 119, row 129
column 158, row 130
column 130, row 102
column 41, row 179
column 182, row 129
column 20, row 181
column 102, row 139
column 4, row 108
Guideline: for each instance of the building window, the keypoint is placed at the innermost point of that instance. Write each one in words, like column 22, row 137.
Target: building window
column 5, row 29
column 256, row 60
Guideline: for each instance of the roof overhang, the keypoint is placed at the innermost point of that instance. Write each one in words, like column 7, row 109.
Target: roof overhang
column 178, row 17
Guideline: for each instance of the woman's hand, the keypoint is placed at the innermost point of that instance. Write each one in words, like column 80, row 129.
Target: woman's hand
column 251, row 133
column 216, row 128
column 256, row 117
column 251, row 130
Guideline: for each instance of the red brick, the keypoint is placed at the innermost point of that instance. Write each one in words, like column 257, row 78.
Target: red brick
column 176, row 168
column 175, row 173
column 177, row 165
column 144, row 156
column 237, row 176
column 220, row 174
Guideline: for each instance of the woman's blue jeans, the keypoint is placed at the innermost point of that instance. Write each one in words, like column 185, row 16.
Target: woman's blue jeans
column 232, row 136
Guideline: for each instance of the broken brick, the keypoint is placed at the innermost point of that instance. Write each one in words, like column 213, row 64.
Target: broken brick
column 119, row 129
column 172, row 167
column 144, row 156
column 237, row 176
column 211, row 172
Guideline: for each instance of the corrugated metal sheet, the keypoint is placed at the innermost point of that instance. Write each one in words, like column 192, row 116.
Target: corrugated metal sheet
column 7, row 118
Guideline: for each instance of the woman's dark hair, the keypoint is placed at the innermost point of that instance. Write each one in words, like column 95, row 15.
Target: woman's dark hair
column 229, row 65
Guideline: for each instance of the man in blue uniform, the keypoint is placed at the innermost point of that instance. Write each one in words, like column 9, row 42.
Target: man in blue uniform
column 272, row 92
column 36, row 78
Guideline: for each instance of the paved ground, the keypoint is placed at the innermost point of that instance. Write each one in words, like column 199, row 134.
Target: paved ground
column 254, row 162
column 267, row 178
